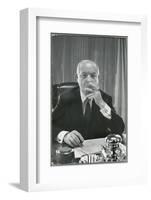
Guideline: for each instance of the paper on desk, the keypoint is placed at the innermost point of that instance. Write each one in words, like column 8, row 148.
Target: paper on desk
column 89, row 146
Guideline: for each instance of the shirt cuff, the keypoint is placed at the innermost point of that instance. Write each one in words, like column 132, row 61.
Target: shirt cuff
column 106, row 111
column 61, row 135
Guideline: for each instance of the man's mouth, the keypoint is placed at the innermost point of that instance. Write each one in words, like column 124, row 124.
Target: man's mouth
column 90, row 87
column 88, row 90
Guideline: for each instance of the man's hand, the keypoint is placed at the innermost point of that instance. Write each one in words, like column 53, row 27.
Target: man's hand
column 98, row 99
column 94, row 93
column 73, row 139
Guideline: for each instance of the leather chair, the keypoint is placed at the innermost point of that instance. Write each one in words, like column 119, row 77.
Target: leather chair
column 59, row 89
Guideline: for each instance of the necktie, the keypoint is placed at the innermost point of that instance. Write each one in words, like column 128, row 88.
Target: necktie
column 87, row 113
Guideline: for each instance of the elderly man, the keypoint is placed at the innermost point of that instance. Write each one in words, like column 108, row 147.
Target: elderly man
column 86, row 112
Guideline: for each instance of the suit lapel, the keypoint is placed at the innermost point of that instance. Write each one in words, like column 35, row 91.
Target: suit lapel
column 78, row 104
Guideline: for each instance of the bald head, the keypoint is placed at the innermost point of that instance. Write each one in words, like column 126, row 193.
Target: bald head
column 87, row 64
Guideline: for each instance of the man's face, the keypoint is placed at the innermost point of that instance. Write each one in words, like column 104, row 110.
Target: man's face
column 88, row 78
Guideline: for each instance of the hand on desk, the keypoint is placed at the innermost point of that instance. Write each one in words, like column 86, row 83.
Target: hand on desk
column 73, row 139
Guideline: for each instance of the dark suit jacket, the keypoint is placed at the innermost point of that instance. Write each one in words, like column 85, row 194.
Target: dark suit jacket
column 68, row 115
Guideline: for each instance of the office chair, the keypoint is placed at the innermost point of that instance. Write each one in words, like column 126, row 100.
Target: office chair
column 59, row 89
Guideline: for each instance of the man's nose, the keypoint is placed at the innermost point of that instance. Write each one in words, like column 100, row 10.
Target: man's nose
column 89, row 78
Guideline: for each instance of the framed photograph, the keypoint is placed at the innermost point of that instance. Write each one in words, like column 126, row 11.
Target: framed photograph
column 82, row 76
column 89, row 69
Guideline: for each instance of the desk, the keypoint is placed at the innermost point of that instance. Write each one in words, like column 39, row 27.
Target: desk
column 89, row 146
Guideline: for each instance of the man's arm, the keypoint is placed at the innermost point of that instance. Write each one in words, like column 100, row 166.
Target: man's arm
column 115, row 124
column 59, row 132
column 58, row 121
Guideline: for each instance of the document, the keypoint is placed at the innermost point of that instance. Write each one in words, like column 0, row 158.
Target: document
column 88, row 147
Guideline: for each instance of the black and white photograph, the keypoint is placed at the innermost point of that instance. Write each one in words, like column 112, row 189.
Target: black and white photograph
column 89, row 99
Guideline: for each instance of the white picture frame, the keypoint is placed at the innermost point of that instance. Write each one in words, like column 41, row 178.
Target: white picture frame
column 30, row 168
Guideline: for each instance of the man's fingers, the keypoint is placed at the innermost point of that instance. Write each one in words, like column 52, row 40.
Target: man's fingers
column 71, row 142
column 89, row 89
column 68, row 140
column 79, row 136
column 92, row 93
column 75, row 140
column 90, row 96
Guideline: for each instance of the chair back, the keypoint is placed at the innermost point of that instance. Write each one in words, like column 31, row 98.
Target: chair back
column 59, row 89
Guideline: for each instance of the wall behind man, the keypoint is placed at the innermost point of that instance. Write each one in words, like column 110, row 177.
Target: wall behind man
column 9, row 91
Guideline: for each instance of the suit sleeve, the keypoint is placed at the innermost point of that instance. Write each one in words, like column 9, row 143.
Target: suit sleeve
column 58, row 120
column 115, row 124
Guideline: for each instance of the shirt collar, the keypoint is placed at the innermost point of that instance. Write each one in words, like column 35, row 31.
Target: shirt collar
column 83, row 97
